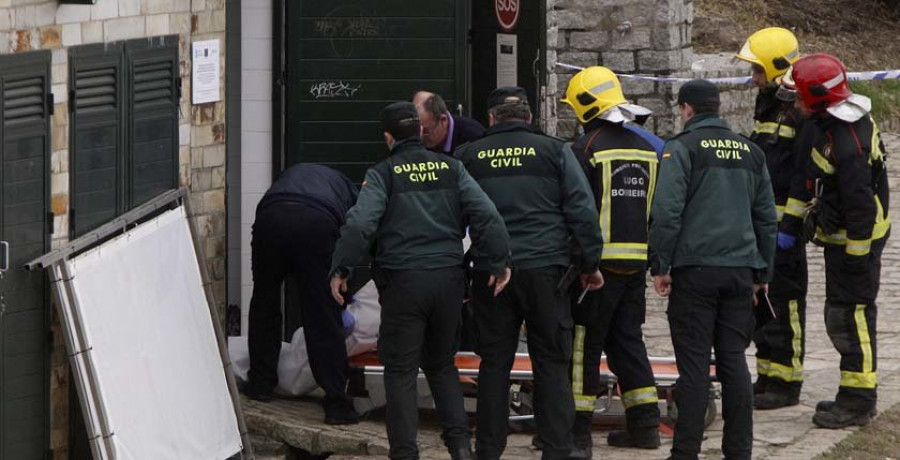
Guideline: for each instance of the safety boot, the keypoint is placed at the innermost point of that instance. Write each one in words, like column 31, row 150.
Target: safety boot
column 825, row 406
column 760, row 385
column 641, row 438
column 775, row 400
column 581, row 432
column 462, row 453
column 839, row 417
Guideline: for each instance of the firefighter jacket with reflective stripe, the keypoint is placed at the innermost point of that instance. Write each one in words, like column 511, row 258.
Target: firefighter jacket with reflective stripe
column 847, row 160
column 779, row 132
column 714, row 205
column 415, row 205
column 621, row 168
column 539, row 189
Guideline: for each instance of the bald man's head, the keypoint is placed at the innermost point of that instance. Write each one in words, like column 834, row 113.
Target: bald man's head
column 420, row 97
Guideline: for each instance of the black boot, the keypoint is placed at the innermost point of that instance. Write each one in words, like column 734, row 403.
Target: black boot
column 775, row 400
column 581, row 433
column 642, row 438
column 760, row 385
column 826, row 406
column 463, row 452
column 340, row 413
column 839, row 417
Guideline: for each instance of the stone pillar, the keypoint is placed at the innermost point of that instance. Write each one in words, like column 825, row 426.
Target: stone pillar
column 651, row 37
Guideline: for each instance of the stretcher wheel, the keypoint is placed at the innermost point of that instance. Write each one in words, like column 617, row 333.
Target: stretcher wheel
column 711, row 412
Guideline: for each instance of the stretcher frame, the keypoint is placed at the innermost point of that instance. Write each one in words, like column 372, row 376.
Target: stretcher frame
column 101, row 435
column 368, row 365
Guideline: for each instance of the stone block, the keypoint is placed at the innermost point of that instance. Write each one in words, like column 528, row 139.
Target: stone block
column 198, row 5
column 6, row 19
column 619, row 61
column 59, row 184
column 200, row 180
column 657, row 105
column 25, row 17
column 669, row 37
column 567, row 128
column 92, row 32
column 636, row 39
column 157, row 6
column 182, row 6
column 157, row 24
column 6, row 42
column 129, row 8
column 201, row 22
column 59, row 204
column 218, row 177
column 214, row 156
column 45, row 14
column 637, row 87
column 589, row 41
column 51, row 37
column 21, row 41
column 580, row 59
column 180, row 23
column 60, row 92
column 217, row 23
column 652, row 61
column 71, row 34
column 70, row 14
column 105, row 9
column 566, row 20
column 123, row 28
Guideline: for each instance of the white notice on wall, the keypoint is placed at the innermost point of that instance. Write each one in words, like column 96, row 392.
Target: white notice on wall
column 507, row 56
column 205, row 81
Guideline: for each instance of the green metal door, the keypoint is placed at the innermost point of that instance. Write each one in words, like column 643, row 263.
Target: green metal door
column 24, row 189
column 347, row 59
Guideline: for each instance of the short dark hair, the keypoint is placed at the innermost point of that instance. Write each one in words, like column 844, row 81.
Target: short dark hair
column 405, row 129
column 510, row 112
column 436, row 106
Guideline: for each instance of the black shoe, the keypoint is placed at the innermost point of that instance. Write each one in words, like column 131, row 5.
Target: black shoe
column 257, row 395
column 760, row 385
column 581, row 431
column 825, row 406
column 462, row 453
column 642, row 438
column 580, row 454
column 838, row 417
column 341, row 414
column 774, row 400
column 537, row 442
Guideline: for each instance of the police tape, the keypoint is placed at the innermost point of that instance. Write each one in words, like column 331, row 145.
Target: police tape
column 852, row 76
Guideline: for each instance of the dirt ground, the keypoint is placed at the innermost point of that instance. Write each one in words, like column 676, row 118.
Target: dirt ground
column 862, row 33
column 878, row 441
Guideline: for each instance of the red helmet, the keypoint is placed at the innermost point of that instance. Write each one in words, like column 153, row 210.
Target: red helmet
column 821, row 81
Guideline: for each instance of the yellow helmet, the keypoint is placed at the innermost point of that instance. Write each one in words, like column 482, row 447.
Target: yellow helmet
column 774, row 49
column 593, row 91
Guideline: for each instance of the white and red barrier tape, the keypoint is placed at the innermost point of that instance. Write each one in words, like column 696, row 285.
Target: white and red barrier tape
column 853, row 76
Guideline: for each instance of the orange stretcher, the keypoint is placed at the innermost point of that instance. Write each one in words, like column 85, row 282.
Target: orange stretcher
column 665, row 373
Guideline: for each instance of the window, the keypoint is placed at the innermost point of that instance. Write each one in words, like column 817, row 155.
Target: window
column 123, row 105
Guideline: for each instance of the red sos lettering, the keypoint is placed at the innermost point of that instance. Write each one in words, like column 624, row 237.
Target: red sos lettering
column 507, row 13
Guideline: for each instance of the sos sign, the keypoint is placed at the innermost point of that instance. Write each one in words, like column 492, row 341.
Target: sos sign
column 507, row 13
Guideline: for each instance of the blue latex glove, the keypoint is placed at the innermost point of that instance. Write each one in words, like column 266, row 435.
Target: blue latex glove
column 785, row 241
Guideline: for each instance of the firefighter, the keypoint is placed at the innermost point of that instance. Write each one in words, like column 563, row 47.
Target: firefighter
column 415, row 204
column 621, row 168
column 780, row 343
column 713, row 239
column 850, row 219
column 538, row 188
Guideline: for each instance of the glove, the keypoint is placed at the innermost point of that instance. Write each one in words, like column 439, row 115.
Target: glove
column 785, row 241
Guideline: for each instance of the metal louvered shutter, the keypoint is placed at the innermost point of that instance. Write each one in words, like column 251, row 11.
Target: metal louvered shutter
column 25, row 114
column 153, row 117
column 96, row 136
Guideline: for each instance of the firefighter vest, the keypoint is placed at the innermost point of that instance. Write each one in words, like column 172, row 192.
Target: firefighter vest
column 621, row 167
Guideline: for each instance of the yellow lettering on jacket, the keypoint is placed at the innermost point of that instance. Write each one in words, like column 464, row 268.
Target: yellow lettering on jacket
column 507, row 152
column 420, row 167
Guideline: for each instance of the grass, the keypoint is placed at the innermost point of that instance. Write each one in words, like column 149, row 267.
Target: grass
column 880, row 440
column 885, row 97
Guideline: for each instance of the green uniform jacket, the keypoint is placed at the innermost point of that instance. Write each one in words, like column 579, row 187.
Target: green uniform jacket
column 541, row 192
column 415, row 204
column 714, row 206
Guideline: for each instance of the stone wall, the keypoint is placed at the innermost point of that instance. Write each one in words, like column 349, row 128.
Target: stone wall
column 27, row 25
column 737, row 100
column 650, row 37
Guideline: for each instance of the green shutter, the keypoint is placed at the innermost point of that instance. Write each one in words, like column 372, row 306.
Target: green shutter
column 152, row 165
column 24, row 189
column 96, row 135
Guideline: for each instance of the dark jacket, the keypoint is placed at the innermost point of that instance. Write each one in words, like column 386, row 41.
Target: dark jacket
column 415, row 204
column 465, row 130
column 848, row 161
column 780, row 132
column 540, row 191
column 714, row 205
column 621, row 166
column 316, row 185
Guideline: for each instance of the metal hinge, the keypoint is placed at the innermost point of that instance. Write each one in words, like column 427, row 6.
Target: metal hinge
column 51, row 103
column 178, row 87
column 50, row 218
column 50, row 344
column 71, row 100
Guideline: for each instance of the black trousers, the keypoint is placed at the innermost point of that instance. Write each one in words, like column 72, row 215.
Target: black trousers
column 610, row 319
column 781, row 343
column 420, row 313
column 296, row 240
column 851, row 322
column 712, row 308
column 531, row 297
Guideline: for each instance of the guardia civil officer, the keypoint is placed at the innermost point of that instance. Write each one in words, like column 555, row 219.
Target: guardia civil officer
column 621, row 167
column 850, row 219
column 543, row 196
column 780, row 343
column 713, row 236
column 415, row 204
